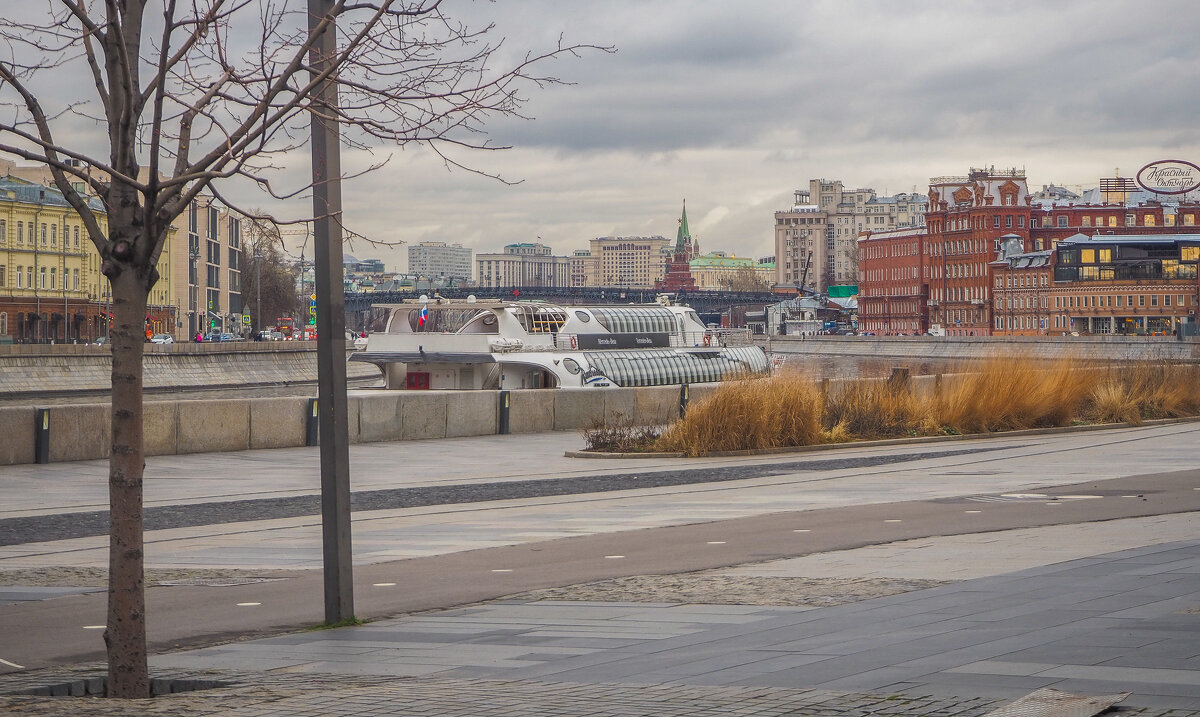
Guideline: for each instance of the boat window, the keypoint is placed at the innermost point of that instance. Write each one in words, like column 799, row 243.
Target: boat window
column 641, row 319
column 571, row 365
column 583, row 316
column 483, row 323
column 541, row 320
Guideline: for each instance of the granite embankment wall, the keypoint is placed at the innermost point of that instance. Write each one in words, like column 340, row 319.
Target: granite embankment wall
column 65, row 369
column 954, row 348
column 82, row 431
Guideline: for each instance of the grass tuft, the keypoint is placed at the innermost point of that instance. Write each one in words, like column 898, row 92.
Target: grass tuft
column 1002, row 394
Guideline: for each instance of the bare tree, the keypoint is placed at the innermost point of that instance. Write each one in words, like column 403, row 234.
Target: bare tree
column 191, row 96
column 747, row 279
column 269, row 277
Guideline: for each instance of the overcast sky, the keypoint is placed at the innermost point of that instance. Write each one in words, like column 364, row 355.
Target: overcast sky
column 734, row 105
column 731, row 106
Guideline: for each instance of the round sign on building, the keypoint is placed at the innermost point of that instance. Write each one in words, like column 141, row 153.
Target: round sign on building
column 1169, row 176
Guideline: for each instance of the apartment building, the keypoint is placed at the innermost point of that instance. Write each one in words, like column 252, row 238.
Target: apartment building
column 437, row 259
column 848, row 213
column 802, row 245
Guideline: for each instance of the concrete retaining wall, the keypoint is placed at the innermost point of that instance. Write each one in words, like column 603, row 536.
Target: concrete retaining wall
column 954, row 348
column 82, row 431
column 47, row 369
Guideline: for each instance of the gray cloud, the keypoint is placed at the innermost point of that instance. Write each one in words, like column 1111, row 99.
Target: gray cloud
column 732, row 106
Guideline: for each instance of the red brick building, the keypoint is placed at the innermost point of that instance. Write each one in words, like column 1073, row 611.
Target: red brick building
column 989, row 262
column 1022, row 289
column 893, row 296
column 966, row 218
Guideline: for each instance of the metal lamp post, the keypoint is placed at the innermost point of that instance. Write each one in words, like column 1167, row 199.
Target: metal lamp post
column 193, row 292
column 258, row 285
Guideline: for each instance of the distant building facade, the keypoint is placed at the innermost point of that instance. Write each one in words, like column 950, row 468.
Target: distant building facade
column 628, row 262
column 801, row 245
column 199, row 286
column 210, row 268
column 525, row 264
column 996, row 259
column 1022, row 289
column 437, row 259
column 892, row 295
column 582, row 268
column 51, row 288
column 846, row 214
column 719, row 271
column 1124, row 283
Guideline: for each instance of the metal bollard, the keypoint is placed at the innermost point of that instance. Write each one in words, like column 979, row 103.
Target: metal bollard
column 41, row 436
column 502, row 426
column 312, row 435
column 685, row 395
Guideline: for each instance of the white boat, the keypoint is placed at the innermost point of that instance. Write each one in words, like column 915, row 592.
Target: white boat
column 520, row 345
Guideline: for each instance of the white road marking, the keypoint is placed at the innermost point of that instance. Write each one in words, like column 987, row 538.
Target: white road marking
column 974, row 511
column 11, row 664
column 249, row 604
column 716, row 542
column 94, row 627
column 802, row 530
column 893, row 520
column 613, row 557
column 383, row 585
column 502, row 570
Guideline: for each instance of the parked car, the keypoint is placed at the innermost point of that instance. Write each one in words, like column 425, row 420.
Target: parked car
column 213, row 337
column 162, row 339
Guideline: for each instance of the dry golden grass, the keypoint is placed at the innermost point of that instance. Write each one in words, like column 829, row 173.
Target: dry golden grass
column 752, row 413
column 1002, row 394
column 1132, row 393
column 1008, row 393
column 872, row 409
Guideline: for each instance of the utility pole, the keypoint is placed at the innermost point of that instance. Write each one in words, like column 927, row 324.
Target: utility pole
column 331, row 323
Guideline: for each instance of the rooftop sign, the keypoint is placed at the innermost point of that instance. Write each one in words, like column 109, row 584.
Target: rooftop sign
column 1169, row 176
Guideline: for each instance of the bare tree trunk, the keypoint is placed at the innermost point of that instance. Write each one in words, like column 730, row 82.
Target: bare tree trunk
column 125, row 636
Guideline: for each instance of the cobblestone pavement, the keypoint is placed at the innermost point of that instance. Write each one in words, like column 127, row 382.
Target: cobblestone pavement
column 712, row 588
column 266, row 695
column 84, row 577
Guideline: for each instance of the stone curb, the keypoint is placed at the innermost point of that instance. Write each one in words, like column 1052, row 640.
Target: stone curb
column 889, row 441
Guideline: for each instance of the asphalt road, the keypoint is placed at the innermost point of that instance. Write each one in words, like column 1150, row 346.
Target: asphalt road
column 46, row 632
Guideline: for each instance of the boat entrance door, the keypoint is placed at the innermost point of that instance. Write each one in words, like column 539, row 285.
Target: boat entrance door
column 418, row 381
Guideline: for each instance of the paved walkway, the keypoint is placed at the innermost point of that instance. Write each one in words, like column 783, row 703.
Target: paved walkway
column 1086, row 606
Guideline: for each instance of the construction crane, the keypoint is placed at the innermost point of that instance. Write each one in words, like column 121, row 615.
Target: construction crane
column 804, row 274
